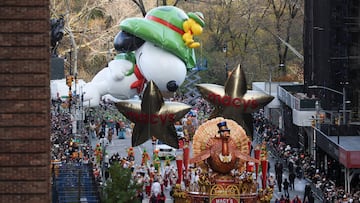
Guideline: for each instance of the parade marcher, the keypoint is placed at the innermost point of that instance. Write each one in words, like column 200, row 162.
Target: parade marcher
column 161, row 198
column 98, row 153
column 167, row 174
column 155, row 190
column 130, row 154
column 145, row 158
column 122, row 130
column 156, row 161
column 147, row 185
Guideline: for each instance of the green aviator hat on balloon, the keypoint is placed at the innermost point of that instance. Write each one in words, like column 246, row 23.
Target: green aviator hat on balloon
column 169, row 28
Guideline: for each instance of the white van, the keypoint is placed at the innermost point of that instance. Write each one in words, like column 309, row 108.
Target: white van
column 165, row 150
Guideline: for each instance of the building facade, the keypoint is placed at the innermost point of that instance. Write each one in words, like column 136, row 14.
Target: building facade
column 25, row 101
column 322, row 115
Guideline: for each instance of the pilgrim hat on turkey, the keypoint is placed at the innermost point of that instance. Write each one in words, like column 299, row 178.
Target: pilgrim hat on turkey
column 223, row 127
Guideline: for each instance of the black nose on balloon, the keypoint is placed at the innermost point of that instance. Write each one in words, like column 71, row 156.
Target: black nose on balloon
column 172, row 86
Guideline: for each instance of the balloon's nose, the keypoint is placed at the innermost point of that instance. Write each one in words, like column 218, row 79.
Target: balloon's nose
column 172, row 86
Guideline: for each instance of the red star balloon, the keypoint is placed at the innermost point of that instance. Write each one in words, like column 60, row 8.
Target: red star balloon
column 233, row 101
column 153, row 117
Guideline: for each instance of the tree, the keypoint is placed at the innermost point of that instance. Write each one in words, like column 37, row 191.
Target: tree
column 285, row 12
column 120, row 187
column 90, row 27
column 252, row 30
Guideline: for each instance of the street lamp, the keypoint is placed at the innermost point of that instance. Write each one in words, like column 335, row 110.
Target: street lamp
column 226, row 64
column 343, row 93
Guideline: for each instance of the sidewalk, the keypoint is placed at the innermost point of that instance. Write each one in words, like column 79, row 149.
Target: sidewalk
column 299, row 183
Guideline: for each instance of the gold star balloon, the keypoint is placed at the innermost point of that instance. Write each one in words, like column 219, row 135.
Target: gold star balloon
column 153, row 116
column 233, row 101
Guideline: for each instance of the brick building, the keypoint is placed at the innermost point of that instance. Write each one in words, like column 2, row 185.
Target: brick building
column 24, row 101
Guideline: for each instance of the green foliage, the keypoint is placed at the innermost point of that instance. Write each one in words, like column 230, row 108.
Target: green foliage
column 120, row 187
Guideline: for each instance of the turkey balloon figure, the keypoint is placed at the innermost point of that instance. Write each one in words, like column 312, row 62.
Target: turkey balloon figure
column 221, row 147
column 158, row 47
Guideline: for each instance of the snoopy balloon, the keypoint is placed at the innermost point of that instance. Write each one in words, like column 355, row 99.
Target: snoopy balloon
column 158, row 47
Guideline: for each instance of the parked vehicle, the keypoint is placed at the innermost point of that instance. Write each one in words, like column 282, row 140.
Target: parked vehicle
column 165, row 150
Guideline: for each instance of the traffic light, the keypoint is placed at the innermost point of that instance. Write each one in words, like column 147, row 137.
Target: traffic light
column 69, row 80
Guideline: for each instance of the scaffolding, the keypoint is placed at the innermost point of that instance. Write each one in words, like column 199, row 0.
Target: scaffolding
column 74, row 183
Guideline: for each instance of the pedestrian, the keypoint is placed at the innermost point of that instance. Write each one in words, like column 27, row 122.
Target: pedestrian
column 117, row 128
column 279, row 182
column 286, row 187
column 278, row 169
column 103, row 126
column 92, row 129
column 292, row 177
column 110, row 135
column 291, row 166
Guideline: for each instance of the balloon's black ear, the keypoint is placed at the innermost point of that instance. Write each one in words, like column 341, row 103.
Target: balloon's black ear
column 125, row 42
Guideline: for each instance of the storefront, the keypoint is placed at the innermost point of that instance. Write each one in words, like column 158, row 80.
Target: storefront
column 339, row 157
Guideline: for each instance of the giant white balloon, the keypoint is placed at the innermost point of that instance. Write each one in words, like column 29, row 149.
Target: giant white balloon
column 110, row 80
column 165, row 69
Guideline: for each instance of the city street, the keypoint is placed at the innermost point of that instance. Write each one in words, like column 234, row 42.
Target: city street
column 121, row 145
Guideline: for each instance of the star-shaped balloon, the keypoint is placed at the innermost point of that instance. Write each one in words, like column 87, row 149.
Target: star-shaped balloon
column 233, row 101
column 153, row 116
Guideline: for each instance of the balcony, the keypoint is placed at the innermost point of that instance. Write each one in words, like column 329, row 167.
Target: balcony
column 293, row 96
